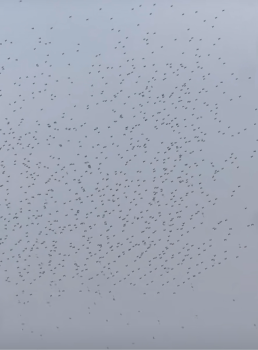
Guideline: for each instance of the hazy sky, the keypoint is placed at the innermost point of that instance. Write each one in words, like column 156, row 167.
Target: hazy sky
column 128, row 185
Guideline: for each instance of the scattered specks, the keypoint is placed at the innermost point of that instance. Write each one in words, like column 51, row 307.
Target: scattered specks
column 124, row 166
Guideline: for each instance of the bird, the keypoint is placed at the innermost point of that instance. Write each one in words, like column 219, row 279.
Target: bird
column 125, row 171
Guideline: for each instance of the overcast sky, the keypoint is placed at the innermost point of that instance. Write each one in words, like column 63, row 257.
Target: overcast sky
column 128, row 185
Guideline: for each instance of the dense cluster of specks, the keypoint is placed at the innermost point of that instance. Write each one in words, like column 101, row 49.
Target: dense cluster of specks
column 128, row 143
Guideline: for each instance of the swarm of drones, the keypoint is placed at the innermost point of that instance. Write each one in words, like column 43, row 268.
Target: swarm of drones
column 127, row 150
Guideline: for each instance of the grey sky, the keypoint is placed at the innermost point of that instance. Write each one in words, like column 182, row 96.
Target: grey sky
column 128, row 150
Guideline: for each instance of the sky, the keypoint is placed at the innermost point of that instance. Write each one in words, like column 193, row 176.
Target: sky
column 128, row 185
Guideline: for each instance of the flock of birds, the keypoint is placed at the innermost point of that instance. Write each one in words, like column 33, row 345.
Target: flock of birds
column 116, row 146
